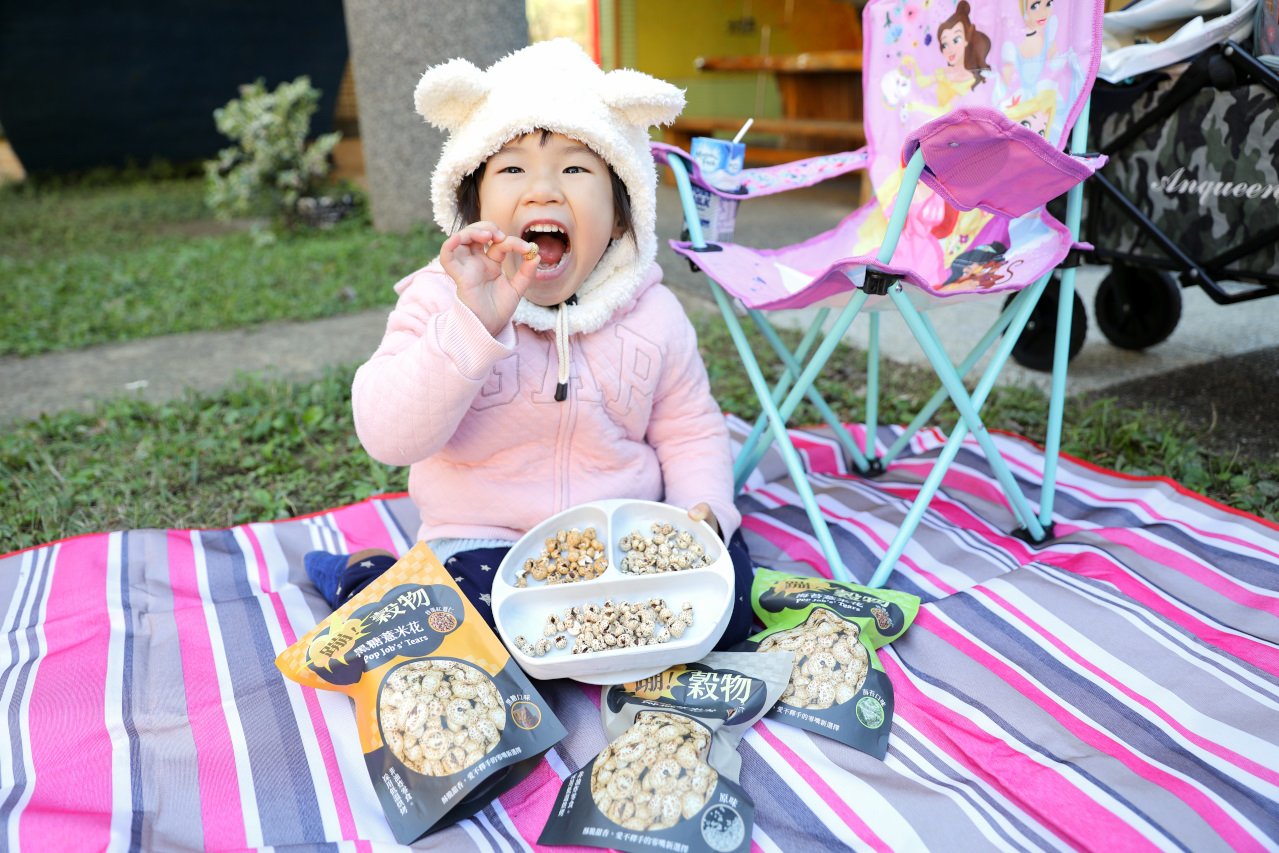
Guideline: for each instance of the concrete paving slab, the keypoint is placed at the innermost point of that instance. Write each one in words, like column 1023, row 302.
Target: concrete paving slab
column 161, row 368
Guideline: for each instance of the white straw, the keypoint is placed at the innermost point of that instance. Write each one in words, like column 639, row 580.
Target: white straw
column 742, row 132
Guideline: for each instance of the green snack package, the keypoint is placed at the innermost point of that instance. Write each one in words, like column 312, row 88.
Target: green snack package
column 837, row 686
column 668, row 778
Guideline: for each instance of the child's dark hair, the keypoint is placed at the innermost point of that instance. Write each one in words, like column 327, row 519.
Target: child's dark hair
column 468, row 197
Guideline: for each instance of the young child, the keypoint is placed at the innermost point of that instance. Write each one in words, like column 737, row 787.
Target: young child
column 539, row 363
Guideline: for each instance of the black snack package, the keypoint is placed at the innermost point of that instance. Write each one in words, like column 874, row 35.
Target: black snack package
column 838, row 687
column 668, row 778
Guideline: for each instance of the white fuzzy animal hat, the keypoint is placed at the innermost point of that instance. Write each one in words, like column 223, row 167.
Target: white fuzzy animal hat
column 554, row 85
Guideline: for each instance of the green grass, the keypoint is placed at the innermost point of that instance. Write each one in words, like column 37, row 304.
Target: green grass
column 111, row 260
column 266, row 450
column 84, row 265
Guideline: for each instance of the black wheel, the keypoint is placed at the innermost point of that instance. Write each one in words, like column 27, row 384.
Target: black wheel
column 1137, row 307
column 1035, row 347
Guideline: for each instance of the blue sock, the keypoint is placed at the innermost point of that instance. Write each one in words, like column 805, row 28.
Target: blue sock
column 339, row 577
column 323, row 569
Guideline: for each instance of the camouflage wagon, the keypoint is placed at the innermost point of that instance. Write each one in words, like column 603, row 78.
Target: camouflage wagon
column 1192, row 187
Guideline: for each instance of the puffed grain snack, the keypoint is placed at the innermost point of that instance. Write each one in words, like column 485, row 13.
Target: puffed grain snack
column 440, row 717
column 838, row 687
column 830, row 663
column 656, row 774
column 567, row 557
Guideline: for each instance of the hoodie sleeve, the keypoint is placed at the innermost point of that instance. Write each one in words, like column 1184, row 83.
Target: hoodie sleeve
column 686, row 427
column 410, row 396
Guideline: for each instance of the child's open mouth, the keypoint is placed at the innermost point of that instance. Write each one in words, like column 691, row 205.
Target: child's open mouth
column 553, row 245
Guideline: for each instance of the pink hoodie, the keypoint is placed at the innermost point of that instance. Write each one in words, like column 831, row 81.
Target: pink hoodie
column 492, row 453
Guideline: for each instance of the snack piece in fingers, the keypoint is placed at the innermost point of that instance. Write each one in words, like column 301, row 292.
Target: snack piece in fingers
column 531, row 253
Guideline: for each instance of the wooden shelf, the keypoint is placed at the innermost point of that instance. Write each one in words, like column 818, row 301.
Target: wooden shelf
column 795, row 63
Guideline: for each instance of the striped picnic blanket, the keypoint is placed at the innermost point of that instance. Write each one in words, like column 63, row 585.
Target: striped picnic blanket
column 1117, row 690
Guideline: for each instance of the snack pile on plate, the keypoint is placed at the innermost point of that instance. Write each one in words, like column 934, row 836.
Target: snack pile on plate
column 621, row 624
column 447, row 721
column 668, row 549
column 567, row 557
column 837, row 686
column 668, row 778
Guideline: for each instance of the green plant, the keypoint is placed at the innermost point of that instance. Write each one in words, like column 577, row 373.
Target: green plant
column 271, row 164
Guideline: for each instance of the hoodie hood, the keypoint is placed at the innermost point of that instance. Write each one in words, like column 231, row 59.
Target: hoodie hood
column 553, row 85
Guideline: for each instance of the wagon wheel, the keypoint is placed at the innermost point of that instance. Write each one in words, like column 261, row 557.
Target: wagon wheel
column 1137, row 307
column 1034, row 348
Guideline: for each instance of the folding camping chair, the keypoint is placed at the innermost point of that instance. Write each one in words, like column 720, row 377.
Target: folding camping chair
column 979, row 125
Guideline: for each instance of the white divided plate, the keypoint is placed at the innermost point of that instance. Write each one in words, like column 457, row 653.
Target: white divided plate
column 523, row 611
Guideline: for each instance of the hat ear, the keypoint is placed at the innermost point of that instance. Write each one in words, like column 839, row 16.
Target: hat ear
column 447, row 94
column 641, row 99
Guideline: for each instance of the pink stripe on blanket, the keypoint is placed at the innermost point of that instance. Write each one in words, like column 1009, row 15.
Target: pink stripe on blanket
column 1063, row 806
column 1222, row 584
column 362, row 527
column 832, row 799
column 529, row 806
column 342, row 804
column 1117, row 686
column 1093, row 565
column 1247, row 649
column 220, row 808
column 70, row 806
column 820, row 455
column 795, row 547
column 1200, row 533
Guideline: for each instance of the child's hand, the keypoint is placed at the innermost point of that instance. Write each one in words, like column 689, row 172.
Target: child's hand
column 476, row 268
column 702, row 512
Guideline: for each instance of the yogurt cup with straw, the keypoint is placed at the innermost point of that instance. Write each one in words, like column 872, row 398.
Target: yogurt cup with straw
column 720, row 161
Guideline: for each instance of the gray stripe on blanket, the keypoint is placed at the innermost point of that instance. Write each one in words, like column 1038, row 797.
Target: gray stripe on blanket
column 1245, row 675
column 127, row 699
column 295, row 540
column 779, row 810
column 1040, row 733
column 937, row 819
column 1023, row 723
column 19, row 671
column 287, row 802
column 172, row 819
column 10, row 578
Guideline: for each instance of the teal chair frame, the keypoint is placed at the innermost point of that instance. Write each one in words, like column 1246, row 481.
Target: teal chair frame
column 796, row 382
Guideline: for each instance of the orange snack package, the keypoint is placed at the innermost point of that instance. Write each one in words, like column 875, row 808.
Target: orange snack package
column 447, row 721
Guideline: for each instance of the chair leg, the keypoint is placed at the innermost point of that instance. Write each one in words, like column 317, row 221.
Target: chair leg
column 872, row 391
column 795, row 367
column 935, row 402
column 777, row 423
column 1057, row 397
column 959, row 396
column 1015, row 315
column 741, row 467
column 845, row 318
column 920, row 504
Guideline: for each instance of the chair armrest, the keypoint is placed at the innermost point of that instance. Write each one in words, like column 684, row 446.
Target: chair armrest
column 976, row 157
column 773, row 179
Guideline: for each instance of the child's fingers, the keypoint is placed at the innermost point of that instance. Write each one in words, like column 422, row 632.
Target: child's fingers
column 501, row 248
column 485, row 231
column 702, row 512
column 525, row 275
